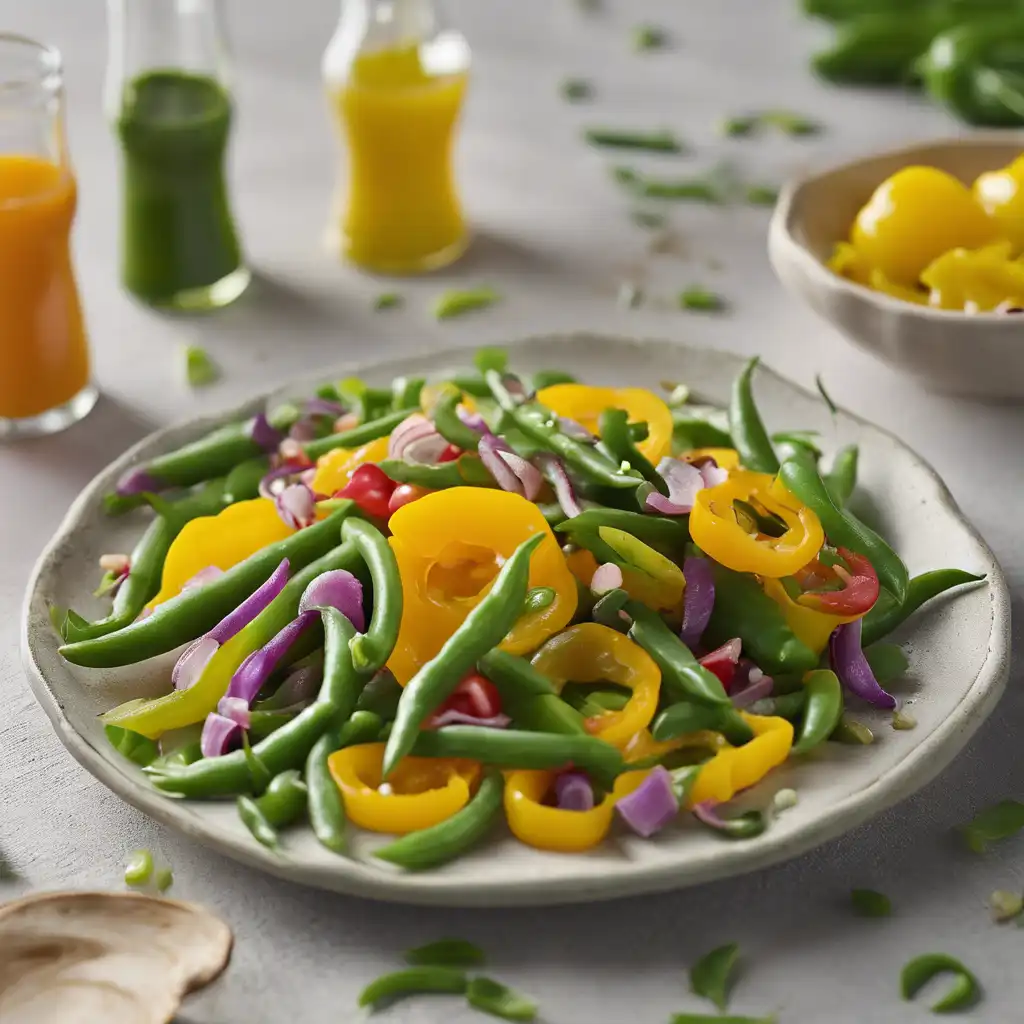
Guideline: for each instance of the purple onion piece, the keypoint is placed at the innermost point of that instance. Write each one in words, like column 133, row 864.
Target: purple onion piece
column 607, row 577
column 193, row 661
column 236, row 709
column 849, row 663
column 555, row 471
column 575, row 430
column 683, row 480
column 263, row 434
column 756, row 685
column 426, row 450
column 138, row 481
column 254, row 672
column 204, row 576
column 652, row 805
column 218, row 734
column 490, row 452
column 573, row 792
column 267, row 488
column 698, row 599
column 707, row 813
column 529, row 476
column 251, row 606
column 473, row 420
column 339, row 589
column 303, row 429
column 452, row 717
column 713, row 474
column 318, row 406
column 413, row 428
column 296, row 505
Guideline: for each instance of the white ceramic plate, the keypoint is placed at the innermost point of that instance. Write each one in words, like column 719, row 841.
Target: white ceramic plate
column 959, row 653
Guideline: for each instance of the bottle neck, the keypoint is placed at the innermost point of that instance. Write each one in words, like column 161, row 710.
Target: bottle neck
column 31, row 100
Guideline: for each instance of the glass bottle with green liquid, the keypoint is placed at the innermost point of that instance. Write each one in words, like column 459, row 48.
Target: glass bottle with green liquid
column 167, row 96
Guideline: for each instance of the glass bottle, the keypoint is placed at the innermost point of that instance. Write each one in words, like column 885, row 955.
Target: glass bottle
column 167, row 96
column 396, row 78
column 44, row 356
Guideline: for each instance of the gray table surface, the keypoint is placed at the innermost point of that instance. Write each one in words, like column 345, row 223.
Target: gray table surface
column 553, row 233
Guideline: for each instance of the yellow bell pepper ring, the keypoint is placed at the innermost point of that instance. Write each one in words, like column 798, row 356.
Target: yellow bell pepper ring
column 420, row 792
column 584, row 403
column 592, row 653
column 725, row 458
column 734, row 769
column 811, row 626
column 335, row 469
column 644, row 746
column 550, row 828
column 716, row 531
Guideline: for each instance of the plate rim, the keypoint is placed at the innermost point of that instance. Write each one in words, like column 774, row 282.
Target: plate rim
column 358, row 878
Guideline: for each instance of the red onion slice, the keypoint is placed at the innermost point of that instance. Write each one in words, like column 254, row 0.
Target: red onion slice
column 339, row 589
column 530, row 478
column 713, row 474
column 750, row 685
column 706, row 813
column 263, row 434
column 555, row 471
column 573, row 792
column 218, row 734
column 318, row 406
column 254, row 672
column 296, row 505
column 138, row 481
column 452, row 717
column 607, row 577
column 412, row 428
column 684, row 481
column 698, row 599
column 193, row 661
column 236, row 709
column 652, row 805
column 251, row 606
column 852, row 667
column 425, row 451
column 277, row 480
column 204, row 576
column 473, row 420
column 575, row 430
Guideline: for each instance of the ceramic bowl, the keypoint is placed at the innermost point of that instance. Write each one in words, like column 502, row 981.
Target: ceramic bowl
column 959, row 653
column 981, row 355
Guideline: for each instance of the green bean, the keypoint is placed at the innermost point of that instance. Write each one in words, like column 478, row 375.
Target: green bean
column 887, row 614
column 699, row 299
column 357, row 436
column 139, row 868
column 549, row 378
column 964, row 991
column 447, row 422
column 243, row 482
column 541, row 425
column 514, row 748
column 370, row 650
column 281, row 804
column 590, row 701
column 842, row 478
column 749, row 436
column 553, row 513
column 660, row 142
column 140, row 750
column 457, row 301
column 256, row 822
column 490, row 996
column 263, row 723
column 381, row 695
column 413, row 981
column 684, row 717
column 366, row 403
column 801, row 477
column 822, row 710
column 614, row 427
column 700, row 427
column 710, row 975
column 465, row 471
column 471, row 383
column 405, row 393
column 852, row 733
column 682, row 676
column 528, row 697
column 441, row 843
column 482, row 630
column 667, row 534
column 537, row 599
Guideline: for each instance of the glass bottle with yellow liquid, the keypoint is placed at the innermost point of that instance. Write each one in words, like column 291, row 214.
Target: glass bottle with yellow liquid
column 396, row 79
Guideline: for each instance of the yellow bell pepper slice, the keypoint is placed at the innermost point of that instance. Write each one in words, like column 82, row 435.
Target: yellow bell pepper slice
column 584, row 403
column 582, row 564
column 880, row 283
column 643, row 745
column 725, row 458
column 222, row 540
column 1001, row 194
column 975, row 281
column 811, row 626
column 592, row 653
column 734, row 769
column 335, row 469
column 422, row 791
column 848, row 263
column 716, row 531
column 449, row 546
column 430, row 394
column 551, row 828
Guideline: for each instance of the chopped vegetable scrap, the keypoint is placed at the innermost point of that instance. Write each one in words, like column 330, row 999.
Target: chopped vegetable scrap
column 443, row 603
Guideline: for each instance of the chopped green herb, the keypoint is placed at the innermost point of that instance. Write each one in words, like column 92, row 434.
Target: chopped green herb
column 648, row 219
column 902, row 721
column 446, row 953
column 648, row 37
column 625, row 175
column 656, row 142
column 164, row 879
column 387, row 300
column 137, row 748
column 1005, row 906
column 576, row 90
column 762, row 195
column 704, row 1018
column 200, row 369
column 784, row 800
column 868, row 903
column 492, row 997
column 491, row 359
column 918, row 972
column 701, row 300
column 139, row 868
column 819, row 384
column 852, row 732
column 697, row 190
column 630, row 295
column 413, row 981
column 709, row 976
column 738, row 127
column 1000, row 821
column 456, row 302
column 790, row 123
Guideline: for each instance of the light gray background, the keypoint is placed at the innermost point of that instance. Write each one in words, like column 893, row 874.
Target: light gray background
column 553, row 233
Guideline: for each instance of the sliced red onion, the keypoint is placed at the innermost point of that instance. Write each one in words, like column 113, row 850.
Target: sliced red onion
column 218, row 734
column 558, row 477
column 138, row 481
column 236, row 709
column 412, row 428
column 277, row 480
column 575, row 430
column 750, row 685
column 698, row 599
column 707, row 813
column 573, row 792
column 307, row 476
column 452, row 717
column 193, row 661
column 511, row 471
column 204, row 576
column 303, row 430
column 251, row 606
column 498, row 467
column 425, row 451
column 296, row 505
column 339, row 589
column 684, row 481
column 263, row 434
column 318, row 406
column 473, row 420
column 516, row 388
column 652, row 805
column 254, row 672
column 849, row 663
column 607, row 577
column 713, row 474
column 722, row 661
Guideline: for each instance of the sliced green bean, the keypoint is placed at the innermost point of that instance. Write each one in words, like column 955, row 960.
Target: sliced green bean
column 413, row 981
column 841, row 479
column 888, row 614
column 964, row 991
column 357, row 436
column 499, row 1000
column 370, row 650
column 684, row 717
column 465, row 471
column 256, row 822
column 614, row 427
column 710, row 975
column 749, row 436
column 667, row 534
column 458, row 301
column 822, row 711
column 657, row 142
column 405, row 392
column 449, row 426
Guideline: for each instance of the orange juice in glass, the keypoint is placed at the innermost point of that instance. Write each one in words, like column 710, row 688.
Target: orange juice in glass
column 44, row 356
column 396, row 80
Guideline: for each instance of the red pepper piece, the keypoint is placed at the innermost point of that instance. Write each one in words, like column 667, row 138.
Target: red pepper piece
column 860, row 589
column 371, row 489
